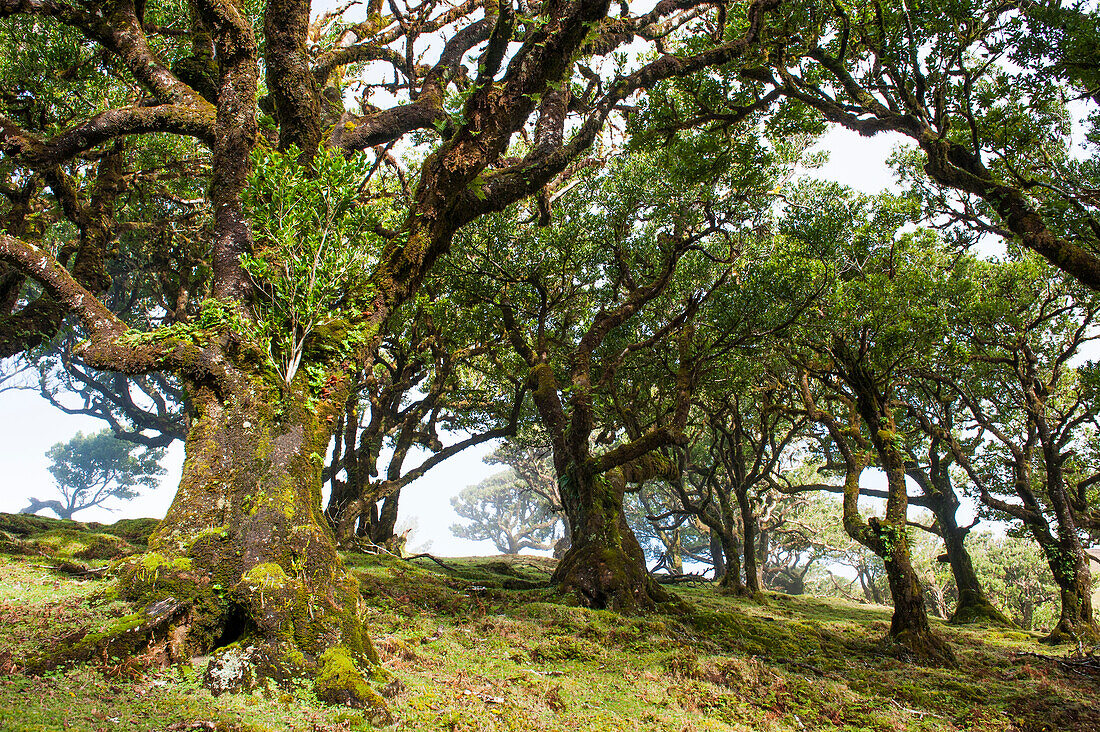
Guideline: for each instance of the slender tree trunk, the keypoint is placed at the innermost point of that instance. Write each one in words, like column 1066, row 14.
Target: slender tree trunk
column 748, row 521
column 717, row 557
column 867, row 584
column 731, row 548
column 889, row 537
column 1027, row 615
column 245, row 541
column 343, row 494
column 675, row 551
column 973, row 605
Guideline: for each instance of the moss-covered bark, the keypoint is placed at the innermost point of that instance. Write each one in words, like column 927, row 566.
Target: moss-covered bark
column 973, row 606
column 749, row 526
column 887, row 537
column 1075, row 619
column 939, row 495
column 605, row 566
column 909, row 624
column 730, row 580
column 245, row 541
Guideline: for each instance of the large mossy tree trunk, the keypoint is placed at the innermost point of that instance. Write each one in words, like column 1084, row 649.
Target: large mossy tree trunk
column 909, row 625
column 730, row 580
column 245, row 541
column 889, row 538
column 1068, row 561
column 605, row 566
column 383, row 520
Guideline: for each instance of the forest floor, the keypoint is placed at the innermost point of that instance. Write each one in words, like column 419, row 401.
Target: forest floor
column 481, row 644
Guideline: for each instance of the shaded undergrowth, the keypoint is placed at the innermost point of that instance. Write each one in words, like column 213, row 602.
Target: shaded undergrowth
column 485, row 644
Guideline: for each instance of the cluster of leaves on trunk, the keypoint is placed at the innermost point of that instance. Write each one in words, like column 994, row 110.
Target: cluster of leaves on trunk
column 314, row 227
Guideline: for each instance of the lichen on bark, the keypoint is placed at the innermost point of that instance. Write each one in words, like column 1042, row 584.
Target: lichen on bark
column 246, row 545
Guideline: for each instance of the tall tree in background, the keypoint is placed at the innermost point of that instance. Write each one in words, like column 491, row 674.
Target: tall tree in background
column 579, row 300
column 931, row 464
column 501, row 509
column 432, row 378
column 91, row 470
column 881, row 312
column 1026, row 449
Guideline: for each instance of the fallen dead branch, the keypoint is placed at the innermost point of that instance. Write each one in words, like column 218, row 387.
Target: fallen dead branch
column 1082, row 664
column 675, row 579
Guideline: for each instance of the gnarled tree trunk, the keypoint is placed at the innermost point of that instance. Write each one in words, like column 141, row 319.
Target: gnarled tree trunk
column 605, row 565
column 973, row 605
column 245, row 541
column 749, row 524
column 939, row 496
column 717, row 557
column 731, row 579
column 1070, row 566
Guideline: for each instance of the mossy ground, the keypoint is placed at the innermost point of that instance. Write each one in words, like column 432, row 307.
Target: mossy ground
column 483, row 645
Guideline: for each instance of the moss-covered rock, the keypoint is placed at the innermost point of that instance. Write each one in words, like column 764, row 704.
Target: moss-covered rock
column 23, row 525
column 82, row 544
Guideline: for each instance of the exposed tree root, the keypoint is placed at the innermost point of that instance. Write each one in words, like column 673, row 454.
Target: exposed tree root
column 979, row 611
column 123, row 638
column 437, row 560
column 1083, row 664
column 1066, row 632
column 925, row 647
column 604, row 578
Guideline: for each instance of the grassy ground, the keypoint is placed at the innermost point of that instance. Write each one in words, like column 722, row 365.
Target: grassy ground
column 479, row 645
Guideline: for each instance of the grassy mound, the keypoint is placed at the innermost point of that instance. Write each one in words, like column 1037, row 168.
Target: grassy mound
column 484, row 644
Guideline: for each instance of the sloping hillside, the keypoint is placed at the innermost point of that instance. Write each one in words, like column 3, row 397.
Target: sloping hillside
column 482, row 644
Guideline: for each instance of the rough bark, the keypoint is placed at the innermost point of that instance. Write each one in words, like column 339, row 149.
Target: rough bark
column 909, row 624
column 888, row 537
column 731, row 579
column 749, row 528
column 935, row 482
column 605, row 565
column 1070, row 566
column 717, row 556
column 245, row 540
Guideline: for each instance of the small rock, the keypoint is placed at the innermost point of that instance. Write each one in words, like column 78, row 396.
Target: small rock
column 230, row 671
